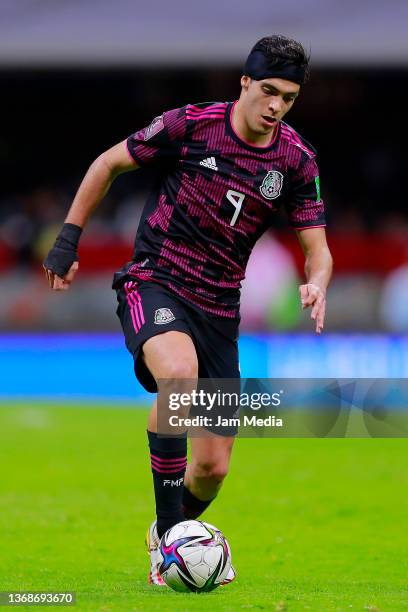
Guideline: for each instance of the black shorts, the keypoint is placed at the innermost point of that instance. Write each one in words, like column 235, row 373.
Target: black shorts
column 147, row 309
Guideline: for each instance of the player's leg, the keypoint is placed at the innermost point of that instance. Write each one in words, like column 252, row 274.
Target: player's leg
column 156, row 334
column 170, row 355
column 206, row 472
column 217, row 350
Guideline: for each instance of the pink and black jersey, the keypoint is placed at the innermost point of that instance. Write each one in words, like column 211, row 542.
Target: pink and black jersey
column 216, row 195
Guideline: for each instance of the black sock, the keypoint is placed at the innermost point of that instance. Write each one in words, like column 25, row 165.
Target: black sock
column 169, row 460
column 192, row 506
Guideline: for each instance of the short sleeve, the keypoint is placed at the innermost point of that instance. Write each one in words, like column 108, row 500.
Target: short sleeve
column 305, row 207
column 160, row 140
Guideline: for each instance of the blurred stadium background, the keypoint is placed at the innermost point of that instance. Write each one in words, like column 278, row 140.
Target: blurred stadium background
column 78, row 77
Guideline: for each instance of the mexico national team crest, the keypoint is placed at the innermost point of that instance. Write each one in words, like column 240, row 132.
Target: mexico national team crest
column 272, row 185
column 163, row 315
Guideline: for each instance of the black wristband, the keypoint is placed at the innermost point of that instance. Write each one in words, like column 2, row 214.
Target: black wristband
column 64, row 252
column 69, row 236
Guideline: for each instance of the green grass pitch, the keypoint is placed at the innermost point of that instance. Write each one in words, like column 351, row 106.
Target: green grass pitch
column 315, row 525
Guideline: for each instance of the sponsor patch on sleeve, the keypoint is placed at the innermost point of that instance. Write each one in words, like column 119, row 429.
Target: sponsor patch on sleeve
column 154, row 128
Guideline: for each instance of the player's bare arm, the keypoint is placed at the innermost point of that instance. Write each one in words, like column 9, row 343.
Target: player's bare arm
column 61, row 265
column 318, row 270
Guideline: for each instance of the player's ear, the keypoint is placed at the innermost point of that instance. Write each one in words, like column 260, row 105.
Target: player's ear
column 245, row 80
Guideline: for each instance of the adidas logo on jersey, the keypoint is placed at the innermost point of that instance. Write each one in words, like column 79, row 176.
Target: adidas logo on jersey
column 210, row 163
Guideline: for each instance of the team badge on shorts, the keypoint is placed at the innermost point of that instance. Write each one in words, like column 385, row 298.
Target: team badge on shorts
column 163, row 315
column 272, row 185
column 156, row 125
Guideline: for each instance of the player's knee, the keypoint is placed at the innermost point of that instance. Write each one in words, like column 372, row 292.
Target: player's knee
column 211, row 470
column 180, row 368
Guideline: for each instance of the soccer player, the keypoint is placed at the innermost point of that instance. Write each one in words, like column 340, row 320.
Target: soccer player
column 223, row 170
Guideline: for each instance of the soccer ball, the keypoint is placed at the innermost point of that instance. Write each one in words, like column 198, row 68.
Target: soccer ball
column 195, row 556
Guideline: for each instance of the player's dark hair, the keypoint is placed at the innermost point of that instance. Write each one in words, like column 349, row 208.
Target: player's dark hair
column 278, row 48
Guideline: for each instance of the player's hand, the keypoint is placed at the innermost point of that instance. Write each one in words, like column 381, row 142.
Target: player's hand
column 61, row 284
column 61, row 263
column 313, row 295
